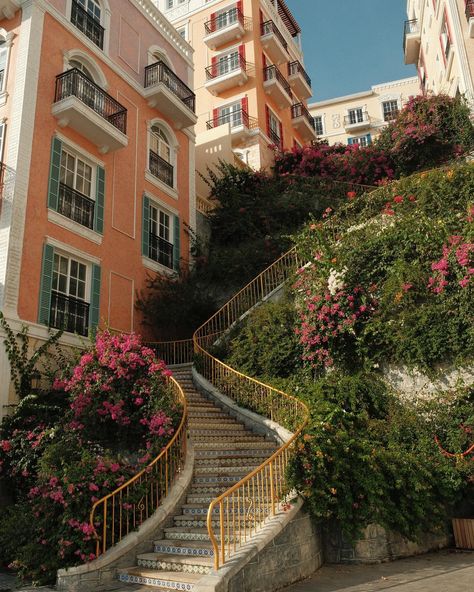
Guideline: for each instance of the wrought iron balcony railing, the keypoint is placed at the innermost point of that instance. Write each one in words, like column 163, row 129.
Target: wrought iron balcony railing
column 268, row 28
column 469, row 9
column 87, row 24
column 236, row 119
column 160, row 250
column 391, row 115
column 411, row 27
column 74, row 83
column 273, row 73
column 223, row 20
column 69, row 313
column 355, row 118
column 300, row 110
column 275, row 138
column 297, row 68
column 159, row 72
column 160, row 168
column 76, row 206
column 225, row 66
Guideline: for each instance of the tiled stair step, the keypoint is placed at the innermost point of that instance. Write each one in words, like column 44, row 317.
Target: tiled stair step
column 196, row 522
column 228, row 441
column 203, row 498
column 184, row 548
column 215, row 421
column 217, row 428
column 208, row 463
column 192, row 534
column 163, row 580
column 228, row 480
column 232, row 457
column 183, row 564
column 199, row 510
column 201, row 405
column 214, row 414
column 208, row 489
column 221, row 470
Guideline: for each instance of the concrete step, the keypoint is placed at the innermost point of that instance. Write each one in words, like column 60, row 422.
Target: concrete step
column 180, row 563
column 162, row 580
column 184, row 548
column 223, row 470
column 187, row 534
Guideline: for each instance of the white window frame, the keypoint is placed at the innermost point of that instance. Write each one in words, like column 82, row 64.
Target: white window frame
column 105, row 14
column 356, row 111
column 7, row 38
column 386, row 100
column 272, row 118
column 360, row 141
column 78, row 156
column 174, row 147
column 321, row 118
column 147, row 261
column 234, row 108
column 87, row 284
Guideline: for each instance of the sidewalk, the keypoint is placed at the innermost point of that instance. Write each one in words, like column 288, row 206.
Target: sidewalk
column 446, row 571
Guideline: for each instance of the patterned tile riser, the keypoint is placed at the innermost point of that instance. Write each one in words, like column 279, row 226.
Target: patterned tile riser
column 240, row 469
column 184, row 551
column 156, row 582
column 228, row 462
column 184, row 522
column 230, row 480
column 170, row 566
column 203, row 511
column 192, row 536
column 237, row 454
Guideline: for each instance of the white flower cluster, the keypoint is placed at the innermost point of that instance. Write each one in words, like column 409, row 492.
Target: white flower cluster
column 336, row 280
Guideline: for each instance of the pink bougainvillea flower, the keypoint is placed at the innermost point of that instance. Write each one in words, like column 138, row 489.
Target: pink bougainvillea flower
column 398, row 199
column 351, row 195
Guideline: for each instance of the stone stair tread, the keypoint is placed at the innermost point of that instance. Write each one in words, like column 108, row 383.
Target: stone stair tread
column 176, row 576
column 184, row 543
column 183, row 559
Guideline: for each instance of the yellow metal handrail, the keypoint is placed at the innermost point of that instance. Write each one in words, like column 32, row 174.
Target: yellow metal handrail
column 242, row 510
column 125, row 509
column 174, row 353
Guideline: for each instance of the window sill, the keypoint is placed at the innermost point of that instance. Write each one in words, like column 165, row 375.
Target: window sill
column 74, row 227
column 163, row 186
column 157, row 267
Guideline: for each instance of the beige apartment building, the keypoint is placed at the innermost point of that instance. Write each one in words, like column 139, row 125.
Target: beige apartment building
column 439, row 40
column 360, row 117
column 250, row 83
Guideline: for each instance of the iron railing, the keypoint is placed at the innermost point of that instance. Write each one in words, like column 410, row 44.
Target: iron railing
column 242, row 510
column 74, row 83
column 69, row 313
column 391, row 115
column 236, row 118
column 174, row 352
column 469, row 9
column 300, row 110
column 275, row 139
column 161, row 168
column 160, row 250
column 355, row 118
column 226, row 66
column 410, row 27
column 125, row 509
column 269, row 28
column 273, row 73
column 76, row 206
column 159, row 72
column 297, row 68
column 87, row 24
column 223, row 20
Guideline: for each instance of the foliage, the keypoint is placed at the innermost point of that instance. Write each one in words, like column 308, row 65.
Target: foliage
column 22, row 367
column 63, row 451
column 429, row 130
column 369, row 458
column 407, row 250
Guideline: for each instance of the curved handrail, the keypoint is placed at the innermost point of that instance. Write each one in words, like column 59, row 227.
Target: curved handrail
column 127, row 507
column 243, row 509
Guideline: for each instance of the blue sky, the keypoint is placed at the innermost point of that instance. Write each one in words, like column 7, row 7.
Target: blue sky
column 349, row 45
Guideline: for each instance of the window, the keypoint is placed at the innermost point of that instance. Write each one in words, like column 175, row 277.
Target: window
column 227, row 63
column 182, row 32
column 361, row 141
column 3, row 64
column 445, row 38
column 355, row 115
column 231, row 114
column 390, row 110
column 76, row 187
column 224, row 18
column 159, row 159
column 318, row 125
column 86, row 15
column 274, row 129
column 160, row 235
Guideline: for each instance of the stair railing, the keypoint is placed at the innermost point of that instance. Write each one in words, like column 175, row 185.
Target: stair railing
column 125, row 509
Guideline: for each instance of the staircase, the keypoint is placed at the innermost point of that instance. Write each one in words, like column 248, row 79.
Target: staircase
column 225, row 452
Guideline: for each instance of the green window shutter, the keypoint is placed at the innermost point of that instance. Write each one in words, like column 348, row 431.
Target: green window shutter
column 53, row 188
column 176, row 244
column 369, row 139
column 94, row 308
column 146, row 227
column 99, row 201
column 46, row 284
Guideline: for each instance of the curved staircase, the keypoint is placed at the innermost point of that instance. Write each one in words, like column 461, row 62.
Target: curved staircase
column 225, row 452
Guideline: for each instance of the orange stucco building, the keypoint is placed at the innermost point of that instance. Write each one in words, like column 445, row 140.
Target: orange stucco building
column 97, row 145
column 250, row 83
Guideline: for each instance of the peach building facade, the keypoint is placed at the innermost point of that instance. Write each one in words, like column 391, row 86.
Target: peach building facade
column 251, row 86
column 439, row 40
column 360, row 117
column 97, row 141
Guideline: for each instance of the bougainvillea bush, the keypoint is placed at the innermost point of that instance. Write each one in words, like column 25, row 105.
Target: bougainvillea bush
column 118, row 413
column 391, row 276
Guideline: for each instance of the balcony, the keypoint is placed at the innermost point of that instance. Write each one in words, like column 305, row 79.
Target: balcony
column 224, row 28
column 76, row 206
column 8, row 8
column 160, row 168
column 160, row 250
column 87, row 24
column 275, row 140
column 69, row 314
column 470, row 17
column 357, row 121
column 168, row 93
column 276, row 86
column 226, row 73
column 303, row 122
column 299, row 80
column 412, row 41
column 273, row 42
column 239, row 121
column 82, row 105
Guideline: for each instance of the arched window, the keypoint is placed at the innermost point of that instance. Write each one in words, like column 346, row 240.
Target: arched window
column 88, row 17
column 92, row 8
column 81, row 67
column 161, row 155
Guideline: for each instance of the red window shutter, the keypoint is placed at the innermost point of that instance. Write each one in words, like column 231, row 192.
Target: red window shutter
column 215, row 117
column 240, row 6
column 267, row 116
column 245, row 105
column 281, row 136
column 261, row 17
column 264, row 60
column 213, row 21
column 214, row 67
column 242, row 51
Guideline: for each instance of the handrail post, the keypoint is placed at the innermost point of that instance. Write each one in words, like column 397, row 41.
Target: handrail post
column 221, row 519
column 272, row 489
